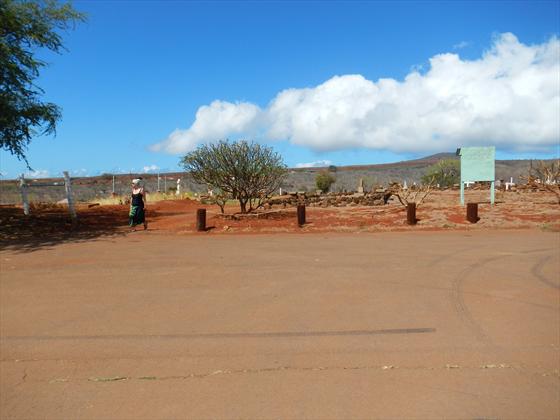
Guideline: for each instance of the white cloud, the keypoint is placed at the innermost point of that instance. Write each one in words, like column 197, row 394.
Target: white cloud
column 150, row 168
column 315, row 164
column 39, row 173
column 461, row 45
column 79, row 172
column 218, row 120
column 510, row 98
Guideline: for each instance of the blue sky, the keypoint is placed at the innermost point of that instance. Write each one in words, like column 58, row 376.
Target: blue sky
column 144, row 82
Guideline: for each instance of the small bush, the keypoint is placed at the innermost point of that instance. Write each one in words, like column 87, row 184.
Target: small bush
column 446, row 173
column 324, row 180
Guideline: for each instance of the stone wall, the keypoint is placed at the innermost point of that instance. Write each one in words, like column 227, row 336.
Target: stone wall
column 378, row 197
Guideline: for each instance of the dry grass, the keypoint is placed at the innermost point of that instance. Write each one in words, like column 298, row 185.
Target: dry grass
column 152, row 198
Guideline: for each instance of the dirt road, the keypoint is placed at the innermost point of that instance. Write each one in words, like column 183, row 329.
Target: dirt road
column 391, row 325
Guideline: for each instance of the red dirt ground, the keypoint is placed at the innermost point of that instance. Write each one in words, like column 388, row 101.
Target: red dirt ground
column 97, row 322
column 441, row 211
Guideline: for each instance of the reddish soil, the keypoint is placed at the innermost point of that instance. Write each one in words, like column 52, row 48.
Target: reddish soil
column 440, row 211
column 400, row 325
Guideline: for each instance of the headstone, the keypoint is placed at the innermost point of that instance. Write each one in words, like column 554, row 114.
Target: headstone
column 361, row 186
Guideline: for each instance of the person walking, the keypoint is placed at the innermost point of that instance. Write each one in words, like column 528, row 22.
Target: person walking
column 137, row 214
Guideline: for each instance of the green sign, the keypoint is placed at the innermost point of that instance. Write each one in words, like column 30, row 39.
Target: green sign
column 477, row 164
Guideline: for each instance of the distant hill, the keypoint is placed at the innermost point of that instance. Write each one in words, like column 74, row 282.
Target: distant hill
column 348, row 177
column 299, row 179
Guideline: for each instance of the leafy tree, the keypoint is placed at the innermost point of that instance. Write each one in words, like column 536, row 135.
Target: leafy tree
column 248, row 172
column 25, row 26
column 446, row 173
column 324, row 180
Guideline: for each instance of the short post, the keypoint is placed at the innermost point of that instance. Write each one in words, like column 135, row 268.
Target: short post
column 301, row 215
column 24, row 197
column 411, row 213
column 472, row 212
column 68, row 187
column 201, row 220
column 178, row 192
column 113, row 184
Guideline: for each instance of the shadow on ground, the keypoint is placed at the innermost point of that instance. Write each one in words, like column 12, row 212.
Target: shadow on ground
column 49, row 227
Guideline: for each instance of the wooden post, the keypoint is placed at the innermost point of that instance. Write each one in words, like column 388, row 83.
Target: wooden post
column 24, row 198
column 411, row 213
column 301, row 215
column 68, row 188
column 201, row 220
column 472, row 212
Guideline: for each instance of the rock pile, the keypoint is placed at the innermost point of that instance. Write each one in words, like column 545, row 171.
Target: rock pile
column 378, row 197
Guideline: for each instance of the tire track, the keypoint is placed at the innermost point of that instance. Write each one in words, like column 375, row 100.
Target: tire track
column 458, row 294
column 536, row 271
column 458, row 297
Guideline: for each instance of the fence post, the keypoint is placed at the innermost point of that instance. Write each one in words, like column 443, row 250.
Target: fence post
column 68, row 188
column 201, row 220
column 24, row 198
column 301, row 215
column 472, row 212
column 411, row 213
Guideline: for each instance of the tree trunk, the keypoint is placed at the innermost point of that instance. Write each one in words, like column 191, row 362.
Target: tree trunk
column 243, row 205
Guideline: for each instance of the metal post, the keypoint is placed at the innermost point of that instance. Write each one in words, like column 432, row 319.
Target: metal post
column 165, row 184
column 113, row 184
column 411, row 213
column 492, row 192
column 158, row 182
column 24, row 198
column 201, row 220
column 301, row 214
column 462, row 193
column 472, row 212
column 68, row 187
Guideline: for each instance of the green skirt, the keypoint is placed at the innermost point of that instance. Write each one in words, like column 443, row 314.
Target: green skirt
column 136, row 216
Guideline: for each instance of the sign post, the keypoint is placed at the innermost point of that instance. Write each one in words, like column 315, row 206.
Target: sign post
column 477, row 164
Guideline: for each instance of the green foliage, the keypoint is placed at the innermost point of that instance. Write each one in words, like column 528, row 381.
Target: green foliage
column 324, row 180
column 25, row 26
column 248, row 172
column 446, row 173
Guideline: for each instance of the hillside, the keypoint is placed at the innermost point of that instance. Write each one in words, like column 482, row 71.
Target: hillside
column 299, row 179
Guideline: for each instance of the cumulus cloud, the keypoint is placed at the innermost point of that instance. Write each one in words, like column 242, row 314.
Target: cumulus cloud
column 460, row 45
column 509, row 97
column 218, row 120
column 315, row 164
column 79, row 172
column 150, row 168
column 39, row 173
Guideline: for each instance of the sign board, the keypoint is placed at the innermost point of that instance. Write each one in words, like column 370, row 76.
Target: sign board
column 477, row 164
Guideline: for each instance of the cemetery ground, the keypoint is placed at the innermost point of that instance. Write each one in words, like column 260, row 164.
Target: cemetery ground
column 355, row 315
